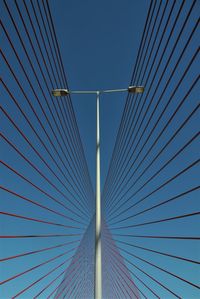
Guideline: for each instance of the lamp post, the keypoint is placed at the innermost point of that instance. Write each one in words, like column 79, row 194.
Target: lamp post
column 98, row 264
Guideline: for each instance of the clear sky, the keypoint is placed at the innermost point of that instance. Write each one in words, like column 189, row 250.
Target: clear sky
column 99, row 43
column 100, row 40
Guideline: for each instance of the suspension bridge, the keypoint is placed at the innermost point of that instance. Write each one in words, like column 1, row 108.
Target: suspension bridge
column 150, row 197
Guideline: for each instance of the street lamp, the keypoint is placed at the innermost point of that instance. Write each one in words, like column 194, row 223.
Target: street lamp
column 65, row 92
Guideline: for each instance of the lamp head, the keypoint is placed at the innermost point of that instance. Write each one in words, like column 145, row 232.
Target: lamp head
column 136, row 89
column 60, row 92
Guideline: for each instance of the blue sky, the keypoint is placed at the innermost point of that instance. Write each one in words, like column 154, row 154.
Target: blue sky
column 99, row 55
column 99, row 43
